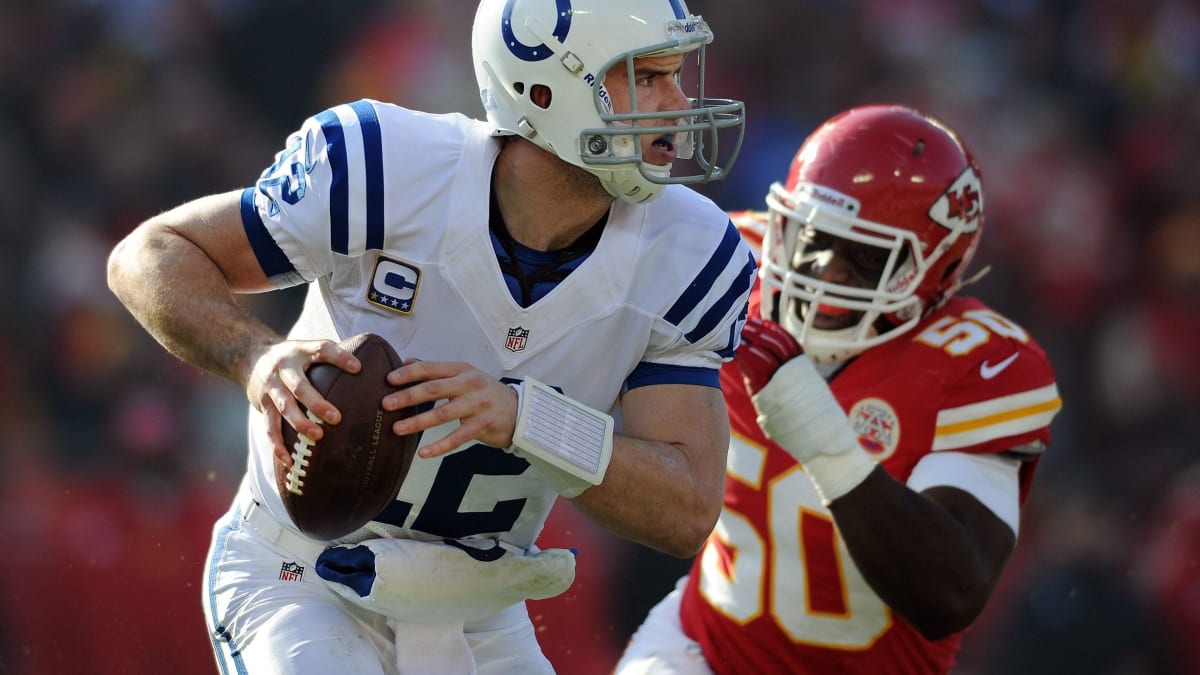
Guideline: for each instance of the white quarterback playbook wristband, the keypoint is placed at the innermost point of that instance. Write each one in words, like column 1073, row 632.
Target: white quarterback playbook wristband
column 560, row 435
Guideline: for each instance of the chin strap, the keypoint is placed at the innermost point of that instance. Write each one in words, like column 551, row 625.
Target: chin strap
column 973, row 279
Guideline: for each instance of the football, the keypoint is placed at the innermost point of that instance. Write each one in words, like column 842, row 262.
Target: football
column 340, row 482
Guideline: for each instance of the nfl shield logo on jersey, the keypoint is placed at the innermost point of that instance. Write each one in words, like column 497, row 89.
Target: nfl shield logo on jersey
column 291, row 571
column 516, row 339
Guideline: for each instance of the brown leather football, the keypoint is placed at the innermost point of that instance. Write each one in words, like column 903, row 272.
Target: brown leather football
column 339, row 483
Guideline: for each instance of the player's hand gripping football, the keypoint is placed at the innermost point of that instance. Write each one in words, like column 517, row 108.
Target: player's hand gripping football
column 485, row 407
column 278, row 386
column 795, row 407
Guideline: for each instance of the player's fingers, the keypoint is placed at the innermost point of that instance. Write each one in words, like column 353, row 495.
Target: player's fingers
column 781, row 344
column 445, row 444
column 416, row 394
column 328, row 351
column 753, row 328
column 416, row 370
column 470, row 429
column 757, row 365
column 275, row 435
column 428, row 382
column 289, row 408
column 436, row 416
column 302, row 389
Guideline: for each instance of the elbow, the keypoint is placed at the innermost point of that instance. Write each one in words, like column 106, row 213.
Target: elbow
column 935, row 631
column 115, row 268
column 685, row 547
column 954, row 613
column 127, row 259
column 680, row 547
column 688, row 538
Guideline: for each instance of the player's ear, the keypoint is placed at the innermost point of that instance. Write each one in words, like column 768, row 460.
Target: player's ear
column 541, row 96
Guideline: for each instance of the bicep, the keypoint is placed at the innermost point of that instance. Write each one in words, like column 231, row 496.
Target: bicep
column 993, row 480
column 981, row 492
column 212, row 226
column 690, row 417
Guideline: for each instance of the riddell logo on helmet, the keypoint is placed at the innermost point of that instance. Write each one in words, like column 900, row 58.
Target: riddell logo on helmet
column 827, row 196
column 590, row 79
column 900, row 282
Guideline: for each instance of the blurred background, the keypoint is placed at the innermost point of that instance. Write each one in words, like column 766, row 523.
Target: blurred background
column 1084, row 115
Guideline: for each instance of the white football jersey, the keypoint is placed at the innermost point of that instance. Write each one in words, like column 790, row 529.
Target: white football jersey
column 384, row 212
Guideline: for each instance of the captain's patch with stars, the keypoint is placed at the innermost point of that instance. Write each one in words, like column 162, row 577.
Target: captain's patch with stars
column 394, row 285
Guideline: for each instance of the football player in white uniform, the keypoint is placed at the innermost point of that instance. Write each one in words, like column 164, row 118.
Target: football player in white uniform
column 551, row 243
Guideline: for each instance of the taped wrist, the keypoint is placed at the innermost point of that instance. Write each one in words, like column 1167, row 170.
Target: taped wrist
column 799, row 413
column 797, row 410
column 567, row 441
column 835, row 475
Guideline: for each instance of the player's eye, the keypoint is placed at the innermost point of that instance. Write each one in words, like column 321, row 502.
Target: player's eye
column 813, row 240
column 869, row 262
column 868, row 259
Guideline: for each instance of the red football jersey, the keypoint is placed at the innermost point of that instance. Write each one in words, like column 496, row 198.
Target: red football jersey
column 774, row 590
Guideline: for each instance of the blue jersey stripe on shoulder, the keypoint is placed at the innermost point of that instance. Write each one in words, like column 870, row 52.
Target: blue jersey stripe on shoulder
column 645, row 374
column 703, row 282
column 736, row 291
column 735, row 329
column 270, row 257
column 339, row 185
column 372, row 140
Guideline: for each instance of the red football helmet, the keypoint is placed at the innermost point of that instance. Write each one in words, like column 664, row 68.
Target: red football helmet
column 899, row 188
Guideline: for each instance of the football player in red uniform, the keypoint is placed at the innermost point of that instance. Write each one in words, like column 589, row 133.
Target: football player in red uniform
column 885, row 429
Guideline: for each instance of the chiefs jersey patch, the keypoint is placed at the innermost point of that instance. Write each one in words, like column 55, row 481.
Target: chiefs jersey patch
column 877, row 426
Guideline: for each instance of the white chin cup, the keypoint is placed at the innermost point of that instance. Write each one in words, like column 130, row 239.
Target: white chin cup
column 628, row 184
column 824, row 347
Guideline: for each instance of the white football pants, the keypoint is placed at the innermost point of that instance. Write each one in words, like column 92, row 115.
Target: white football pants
column 268, row 613
column 660, row 647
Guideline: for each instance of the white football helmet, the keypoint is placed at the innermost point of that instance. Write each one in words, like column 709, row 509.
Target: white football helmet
column 900, row 195
column 568, row 46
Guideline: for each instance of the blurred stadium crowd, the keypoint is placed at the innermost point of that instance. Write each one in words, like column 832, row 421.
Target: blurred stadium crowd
column 1084, row 114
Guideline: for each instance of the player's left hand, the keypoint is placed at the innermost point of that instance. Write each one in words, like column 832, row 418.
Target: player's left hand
column 798, row 411
column 795, row 407
column 765, row 347
column 485, row 407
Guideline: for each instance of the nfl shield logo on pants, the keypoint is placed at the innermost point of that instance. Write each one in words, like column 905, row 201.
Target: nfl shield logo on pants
column 516, row 339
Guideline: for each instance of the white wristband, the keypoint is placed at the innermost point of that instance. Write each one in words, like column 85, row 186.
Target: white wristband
column 566, row 440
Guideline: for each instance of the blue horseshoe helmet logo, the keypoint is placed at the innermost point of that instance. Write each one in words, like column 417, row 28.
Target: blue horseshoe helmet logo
column 539, row 52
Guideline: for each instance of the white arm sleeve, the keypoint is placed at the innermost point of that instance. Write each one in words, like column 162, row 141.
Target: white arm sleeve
column 992, row 479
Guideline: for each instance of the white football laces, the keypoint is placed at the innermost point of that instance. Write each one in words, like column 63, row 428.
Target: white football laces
column 301, row 451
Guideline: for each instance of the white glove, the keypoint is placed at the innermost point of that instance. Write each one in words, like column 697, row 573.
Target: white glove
column 442, row 582
column 797, row 410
